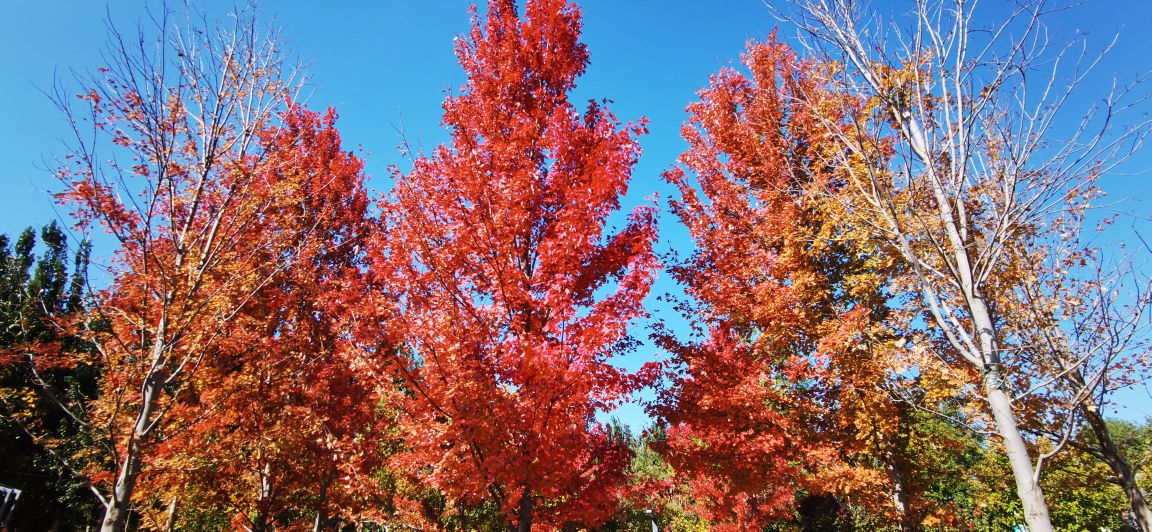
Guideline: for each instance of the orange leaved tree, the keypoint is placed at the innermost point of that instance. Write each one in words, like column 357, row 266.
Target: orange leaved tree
column 179, row 166
column 279, row 410
column 789, row 389
column 965, row 157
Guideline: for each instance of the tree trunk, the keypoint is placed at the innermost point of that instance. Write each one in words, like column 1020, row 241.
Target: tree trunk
column 899, row 495
column 322, row 503
column 1112, row 456
column 171, row 524
column 120, row 504
column 264, row 505
column 1031, row 496
column 1109, row 453
column 1027, row 483
column 525, row 524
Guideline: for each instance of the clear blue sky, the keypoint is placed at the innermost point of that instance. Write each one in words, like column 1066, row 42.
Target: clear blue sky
column 383, row 64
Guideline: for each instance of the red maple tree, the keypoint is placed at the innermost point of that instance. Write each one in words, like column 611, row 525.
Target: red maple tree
column 503, row 287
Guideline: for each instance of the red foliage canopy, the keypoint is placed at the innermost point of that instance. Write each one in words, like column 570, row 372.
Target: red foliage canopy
column 503, row 287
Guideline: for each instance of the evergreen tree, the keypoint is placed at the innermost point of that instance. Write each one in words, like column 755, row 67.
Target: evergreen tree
column 37, row 297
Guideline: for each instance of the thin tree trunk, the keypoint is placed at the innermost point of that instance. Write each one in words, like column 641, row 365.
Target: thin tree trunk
column 954, row 218
column 322, row 503
column 1108, row 452
column 265, row 503
column 525, row 524
column 116, row 513
column 899, row 495
column 120, row 504
column 171, row 524
column 1112, row 456
column 1031, row 496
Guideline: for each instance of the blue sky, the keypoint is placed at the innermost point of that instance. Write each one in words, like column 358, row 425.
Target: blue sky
column 385, row 65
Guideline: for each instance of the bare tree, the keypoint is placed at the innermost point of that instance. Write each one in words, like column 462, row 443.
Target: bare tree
column 164, row 156
column 957, row 153
column 1083, row 320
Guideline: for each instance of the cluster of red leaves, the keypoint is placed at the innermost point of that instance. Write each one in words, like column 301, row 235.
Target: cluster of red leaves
column 278, row 411
column 241, row 262
column 781, row 395
column 502, row 287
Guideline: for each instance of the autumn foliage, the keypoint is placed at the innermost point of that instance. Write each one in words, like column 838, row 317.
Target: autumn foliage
column 273, row 347
column 278, row 411
column 502, row 285
column 235, row 328
column 787, row 391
